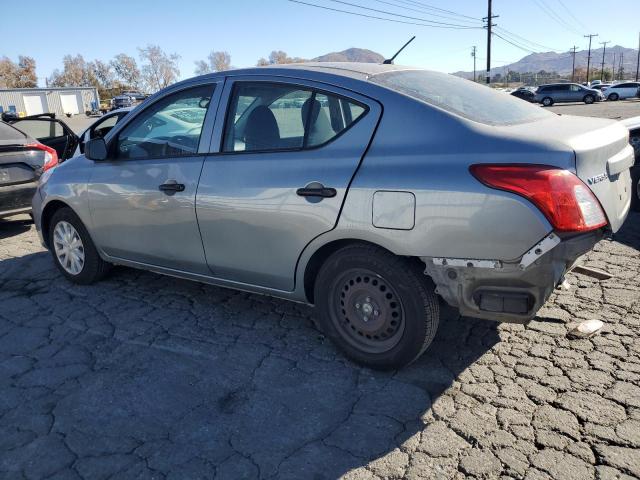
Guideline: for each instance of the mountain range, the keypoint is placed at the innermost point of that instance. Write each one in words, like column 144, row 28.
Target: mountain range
column 562, row 62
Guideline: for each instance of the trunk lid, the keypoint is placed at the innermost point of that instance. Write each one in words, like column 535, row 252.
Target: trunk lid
column 602, row 152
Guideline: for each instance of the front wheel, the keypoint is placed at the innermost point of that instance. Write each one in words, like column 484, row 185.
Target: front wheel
column 589, row 99
column 547, row 101
column 379, row 309
column 74, row 253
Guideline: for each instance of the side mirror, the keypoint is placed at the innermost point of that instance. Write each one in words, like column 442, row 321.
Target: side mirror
column 96, row 149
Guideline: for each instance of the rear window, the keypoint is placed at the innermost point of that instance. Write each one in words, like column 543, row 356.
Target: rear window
column 462, row 97
column 7, row 132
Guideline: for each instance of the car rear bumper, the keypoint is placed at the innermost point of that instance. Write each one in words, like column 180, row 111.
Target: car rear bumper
column 16, row 199
column 508, row 291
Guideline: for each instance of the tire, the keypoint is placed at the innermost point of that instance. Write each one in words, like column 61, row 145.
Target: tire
column 589, row 99
column 547, row 101
column 378, row 308
column 92, row 268
column 614, row 97
column 635, row 189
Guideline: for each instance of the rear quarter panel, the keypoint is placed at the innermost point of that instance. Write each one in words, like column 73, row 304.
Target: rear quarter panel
column 428, row 152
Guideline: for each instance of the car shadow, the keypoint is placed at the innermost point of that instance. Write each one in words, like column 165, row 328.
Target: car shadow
column 629, row 234
column 184, row 378
column 10, row 227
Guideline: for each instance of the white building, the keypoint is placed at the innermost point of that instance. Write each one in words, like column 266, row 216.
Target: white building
column 61, row 101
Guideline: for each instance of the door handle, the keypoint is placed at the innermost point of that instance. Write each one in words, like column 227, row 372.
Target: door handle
column 171, row 186
column 319, row 191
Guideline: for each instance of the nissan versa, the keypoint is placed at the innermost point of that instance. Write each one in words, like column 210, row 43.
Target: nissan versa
column 366, row 190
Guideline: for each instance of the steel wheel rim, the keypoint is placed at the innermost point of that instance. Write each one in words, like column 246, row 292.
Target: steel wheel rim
column 367, row 311
column 68, row 247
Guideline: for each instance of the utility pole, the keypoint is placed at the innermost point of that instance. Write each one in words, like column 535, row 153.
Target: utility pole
column 621, row 69
column 573, row 66
column 613, row 68
column 489, row 19
column 473, row 54
column 638, row 60
column 604, row 49
column 590, row 36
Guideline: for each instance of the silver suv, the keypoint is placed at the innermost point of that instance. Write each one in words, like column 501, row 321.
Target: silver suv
column 566, row 92
column 370, row 191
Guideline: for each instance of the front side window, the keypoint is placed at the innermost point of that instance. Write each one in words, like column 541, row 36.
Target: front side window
column 272, row 117
column 576, row 88
column 170, row 127
column 41, row 129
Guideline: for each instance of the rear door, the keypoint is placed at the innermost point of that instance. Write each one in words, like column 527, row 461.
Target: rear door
column 562, row 93
column 288, row 151
column 51, row 132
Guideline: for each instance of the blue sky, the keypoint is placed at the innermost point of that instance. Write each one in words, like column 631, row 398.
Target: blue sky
column 249, row 29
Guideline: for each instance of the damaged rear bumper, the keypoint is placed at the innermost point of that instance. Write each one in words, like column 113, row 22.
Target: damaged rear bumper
column 508, row 291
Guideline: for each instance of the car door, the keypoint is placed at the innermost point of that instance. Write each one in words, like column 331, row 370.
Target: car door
column 51, row 132
column 288, row 151
column 100, row 128
column 576, row 93
column 142, row 198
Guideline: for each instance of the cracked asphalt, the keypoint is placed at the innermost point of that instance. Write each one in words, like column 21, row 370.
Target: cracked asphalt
column 145, row 376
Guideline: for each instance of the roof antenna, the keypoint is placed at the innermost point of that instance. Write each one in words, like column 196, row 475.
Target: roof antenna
column 389, row 61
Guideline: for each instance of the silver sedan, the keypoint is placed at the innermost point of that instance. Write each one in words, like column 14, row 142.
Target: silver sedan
column 373, row 192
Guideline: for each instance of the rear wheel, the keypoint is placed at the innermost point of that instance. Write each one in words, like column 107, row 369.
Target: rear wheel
column 547, row 101
column 74, row 253
column 378, row 308
column 589, row 99
column 613, row 97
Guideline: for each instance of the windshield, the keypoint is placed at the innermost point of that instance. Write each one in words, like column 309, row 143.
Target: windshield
column 462, row 97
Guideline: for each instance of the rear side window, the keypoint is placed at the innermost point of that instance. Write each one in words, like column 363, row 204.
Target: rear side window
column 7, row 132
column 461, row 97
column 272, row 117
column 41, row 129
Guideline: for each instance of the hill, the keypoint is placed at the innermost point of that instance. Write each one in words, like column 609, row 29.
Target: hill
column 351, row 55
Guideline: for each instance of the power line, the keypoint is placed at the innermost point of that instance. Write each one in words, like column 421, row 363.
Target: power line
column 342, row 2
column 404, row 4
column 323, row 7
column 524, row 40
column 578, row 22
column 431, row 7
column 514, row 44
column 554, row 16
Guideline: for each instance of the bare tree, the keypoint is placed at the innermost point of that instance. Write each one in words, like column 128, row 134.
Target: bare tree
column 126, row 70
column 159, row 69
column 277, row 57
column 74, row 73
column 26, row 73
column 20, row 75
column 216, row 62
column 102, row 73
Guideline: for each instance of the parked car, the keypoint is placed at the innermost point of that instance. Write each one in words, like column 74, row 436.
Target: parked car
column 320, row 183
column 566, row 92
column 633, row 124
column 50, row 131
column 621, row 91
column 122, row 101
column 136, row 95
column 601, row 86
column 524, row 94
column 22, row 161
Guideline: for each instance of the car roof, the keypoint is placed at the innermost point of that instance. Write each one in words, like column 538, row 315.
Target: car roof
column 355, row 70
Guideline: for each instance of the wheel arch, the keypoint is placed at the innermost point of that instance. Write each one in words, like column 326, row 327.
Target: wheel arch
column 322, row 253
column 47, row 214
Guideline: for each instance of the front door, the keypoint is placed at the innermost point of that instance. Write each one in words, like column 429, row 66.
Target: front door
column 142, row 198
column 289, row 150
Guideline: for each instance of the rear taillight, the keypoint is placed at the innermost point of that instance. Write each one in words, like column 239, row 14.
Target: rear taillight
column 50, row 155
column 567, row 203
